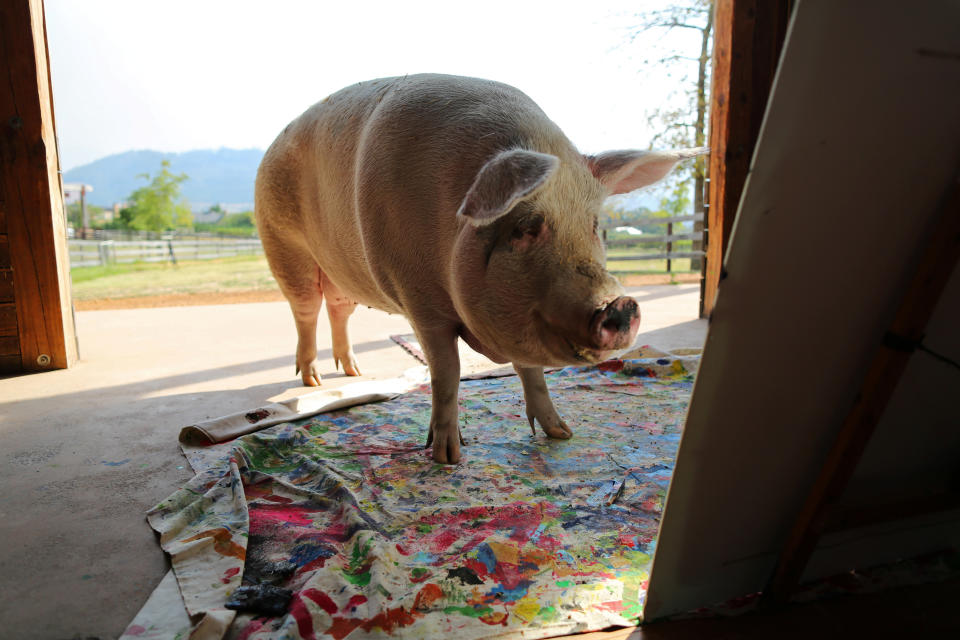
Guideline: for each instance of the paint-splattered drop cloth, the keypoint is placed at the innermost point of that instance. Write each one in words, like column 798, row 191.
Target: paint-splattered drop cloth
column 348, row 512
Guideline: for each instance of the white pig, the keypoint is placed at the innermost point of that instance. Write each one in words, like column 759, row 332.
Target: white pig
column 457, row 203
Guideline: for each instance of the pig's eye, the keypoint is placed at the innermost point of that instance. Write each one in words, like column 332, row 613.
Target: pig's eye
column 529, row 227
column 596, row 225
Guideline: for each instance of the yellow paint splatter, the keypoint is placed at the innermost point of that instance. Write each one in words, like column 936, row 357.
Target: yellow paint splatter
column 527, row 608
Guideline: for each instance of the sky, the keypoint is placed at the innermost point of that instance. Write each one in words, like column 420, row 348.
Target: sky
column 177, row 75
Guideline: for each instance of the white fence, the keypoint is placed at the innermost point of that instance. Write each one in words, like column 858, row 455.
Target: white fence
column 87, row 253
column 90, row 253
column 666, row 241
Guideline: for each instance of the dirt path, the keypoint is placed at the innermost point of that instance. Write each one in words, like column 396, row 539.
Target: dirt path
column 179, row 300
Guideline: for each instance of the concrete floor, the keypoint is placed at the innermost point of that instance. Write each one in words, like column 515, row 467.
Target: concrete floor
column 88, row 450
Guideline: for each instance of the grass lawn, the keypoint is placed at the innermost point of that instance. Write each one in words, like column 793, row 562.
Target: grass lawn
column 240, row 273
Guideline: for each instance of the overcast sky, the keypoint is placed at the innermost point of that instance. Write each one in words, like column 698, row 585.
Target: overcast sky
column 175, row 75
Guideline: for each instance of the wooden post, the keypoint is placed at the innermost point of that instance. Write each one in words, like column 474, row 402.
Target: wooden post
column 84, row 217
column 905, row 334
column 38, row 311
column 669, row 244
column 748, row 37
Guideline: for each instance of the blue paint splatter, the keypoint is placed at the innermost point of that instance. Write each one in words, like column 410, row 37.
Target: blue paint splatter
column 486, row 556
column 115, row 464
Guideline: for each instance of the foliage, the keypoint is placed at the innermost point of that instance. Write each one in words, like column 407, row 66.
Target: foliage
column 680, row 120
column 95, row 215
column 158, row 206
column 231, row 224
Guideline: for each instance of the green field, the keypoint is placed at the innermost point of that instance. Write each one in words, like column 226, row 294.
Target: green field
column 645, row 267
column 240, row 273
column 243, row 273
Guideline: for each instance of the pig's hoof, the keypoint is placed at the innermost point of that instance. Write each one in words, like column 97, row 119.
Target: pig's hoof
column 310, row 374
column 349, row 360
column 446, row 449
column 553, row 426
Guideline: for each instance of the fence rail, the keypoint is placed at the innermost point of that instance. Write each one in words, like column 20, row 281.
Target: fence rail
column 90, row 253
column 667, row 240
column 87, row 253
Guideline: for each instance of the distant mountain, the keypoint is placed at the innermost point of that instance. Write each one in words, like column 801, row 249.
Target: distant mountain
column 216, row 176
column 222, row 176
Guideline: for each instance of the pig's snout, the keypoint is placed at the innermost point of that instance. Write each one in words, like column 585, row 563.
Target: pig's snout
column 615, row 325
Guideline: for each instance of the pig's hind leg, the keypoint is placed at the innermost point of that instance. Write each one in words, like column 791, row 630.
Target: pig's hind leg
column 339, row 308
column 539, row 405
column 299, row 278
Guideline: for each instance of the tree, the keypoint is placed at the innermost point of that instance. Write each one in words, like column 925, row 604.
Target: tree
column 158, row 206
column 681, row 122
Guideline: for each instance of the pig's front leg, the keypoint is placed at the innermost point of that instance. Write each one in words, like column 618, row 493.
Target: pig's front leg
column 539, row 405
column 440, row 348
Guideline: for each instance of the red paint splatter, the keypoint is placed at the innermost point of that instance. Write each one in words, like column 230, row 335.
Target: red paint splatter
column 422, row 578
column 313, row 565
column 299, row 612
column 611, row 365
column 521, row 519
column 229, row 573
column 342, row 627
column 429, row 594
column 222, row 543
column 509, row 574
column 477, row 567
column 614, row 605
column 494, row 618
column 321, row 599
column 626, row 540
column 135, row 630
column 268, row 514
column 356, row 600
column 280, row 499
column 386, row 621
column 252, row 627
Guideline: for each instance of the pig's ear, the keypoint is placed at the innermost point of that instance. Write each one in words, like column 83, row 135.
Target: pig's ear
column 503, row 181
column 624, row 171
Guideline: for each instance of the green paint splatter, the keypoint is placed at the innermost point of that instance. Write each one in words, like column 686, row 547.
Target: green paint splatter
column 473, row 612
column 547, row 613
column 358, row 571
column 564, row 583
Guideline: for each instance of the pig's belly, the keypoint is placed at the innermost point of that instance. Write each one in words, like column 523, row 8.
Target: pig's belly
column 355, row 282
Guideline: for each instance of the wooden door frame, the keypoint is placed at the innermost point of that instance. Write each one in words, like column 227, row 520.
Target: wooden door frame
column 37, row 330
column 748, row 38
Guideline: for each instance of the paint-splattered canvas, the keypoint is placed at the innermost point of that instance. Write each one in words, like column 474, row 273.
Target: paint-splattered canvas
column 341, row 525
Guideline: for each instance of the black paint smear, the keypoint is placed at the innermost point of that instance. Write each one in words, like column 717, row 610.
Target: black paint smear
column 466, row 575
column 256, row 416
column 262, row 571
column 262, row 599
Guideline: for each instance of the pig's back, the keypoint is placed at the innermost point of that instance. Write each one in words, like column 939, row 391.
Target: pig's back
column 373, row 175
column 305, row 189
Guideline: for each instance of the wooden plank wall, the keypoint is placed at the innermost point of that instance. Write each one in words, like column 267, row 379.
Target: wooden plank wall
column 9, row 342
column 36, row 317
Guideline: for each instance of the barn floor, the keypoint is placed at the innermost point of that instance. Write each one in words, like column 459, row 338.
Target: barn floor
column 87, row 451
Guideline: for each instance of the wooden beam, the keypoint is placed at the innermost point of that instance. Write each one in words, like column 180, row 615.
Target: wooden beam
column 748, row 38
column 31, row 195
column 936, row 266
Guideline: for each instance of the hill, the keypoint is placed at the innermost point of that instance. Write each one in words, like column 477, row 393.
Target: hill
column 216, row 175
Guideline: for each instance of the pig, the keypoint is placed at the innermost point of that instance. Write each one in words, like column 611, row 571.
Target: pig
column 456, row 202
